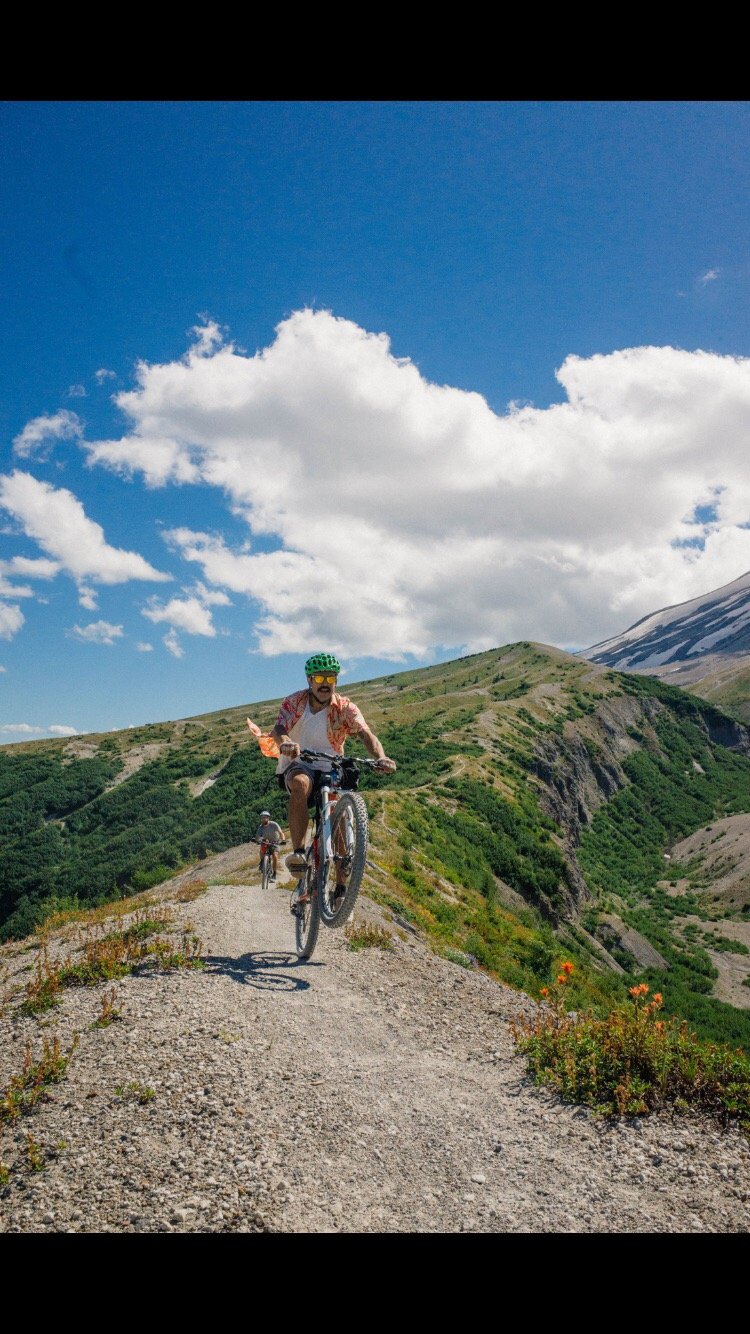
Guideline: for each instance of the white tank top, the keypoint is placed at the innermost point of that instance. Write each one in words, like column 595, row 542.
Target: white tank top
column 311, row 733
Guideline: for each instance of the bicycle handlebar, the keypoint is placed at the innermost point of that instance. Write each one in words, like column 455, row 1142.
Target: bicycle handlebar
column 339, row 759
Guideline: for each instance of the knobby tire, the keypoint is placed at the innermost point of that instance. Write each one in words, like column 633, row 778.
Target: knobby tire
column 307, row 919
column 350, row 810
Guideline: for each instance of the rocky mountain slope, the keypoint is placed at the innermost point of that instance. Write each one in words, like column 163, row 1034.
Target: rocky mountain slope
column 716, row 622
column 701, row 645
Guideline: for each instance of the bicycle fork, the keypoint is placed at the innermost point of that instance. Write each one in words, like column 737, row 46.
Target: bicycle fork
column 323, row 841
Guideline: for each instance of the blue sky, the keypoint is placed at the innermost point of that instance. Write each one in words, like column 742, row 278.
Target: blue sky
column 369, row 446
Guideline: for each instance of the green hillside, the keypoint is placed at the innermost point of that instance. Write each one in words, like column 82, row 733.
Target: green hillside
column 722, row 679
column 535, row 797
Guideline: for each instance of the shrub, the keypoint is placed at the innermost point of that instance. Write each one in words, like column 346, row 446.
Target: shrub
column 362, row 936
column 632, row 1061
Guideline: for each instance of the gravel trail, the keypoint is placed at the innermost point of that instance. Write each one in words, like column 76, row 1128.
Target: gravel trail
column 366, row 1091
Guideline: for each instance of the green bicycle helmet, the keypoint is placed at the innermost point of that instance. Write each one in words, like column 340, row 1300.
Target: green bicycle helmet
column 322, row 662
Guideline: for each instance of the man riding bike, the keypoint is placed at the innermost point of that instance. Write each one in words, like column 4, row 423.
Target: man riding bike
column 269, row 835
column 316, row 719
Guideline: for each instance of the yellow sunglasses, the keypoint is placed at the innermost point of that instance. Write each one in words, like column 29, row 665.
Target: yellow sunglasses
column 319, row 678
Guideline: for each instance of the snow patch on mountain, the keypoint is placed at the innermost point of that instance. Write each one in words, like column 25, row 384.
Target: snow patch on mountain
column 714, row 622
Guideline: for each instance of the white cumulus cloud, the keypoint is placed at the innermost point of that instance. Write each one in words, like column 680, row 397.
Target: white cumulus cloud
column 87, row 597
column 77, row 391
column 171, row 642
column 406, row 515
column 11, row 620
column 30, row 568
column 62, row 729
column 207, row 337
column 23, row 729
column 56, row 519
column 63, row 425
column 211, row 597
column 8, row 590
column 98, row 632
column 103, row 374
column 709, row 276
column 187, row 614
column 145, row 648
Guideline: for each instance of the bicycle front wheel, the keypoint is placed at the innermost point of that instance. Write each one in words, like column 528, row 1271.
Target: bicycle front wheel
column 349, row 836
column 307, row 919
column 266, row 871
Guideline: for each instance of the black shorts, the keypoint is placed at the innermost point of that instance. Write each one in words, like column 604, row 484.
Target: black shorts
column 319, row 778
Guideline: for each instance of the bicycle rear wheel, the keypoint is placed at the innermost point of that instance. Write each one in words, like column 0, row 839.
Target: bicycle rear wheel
column 307, row 919
column 349, row 837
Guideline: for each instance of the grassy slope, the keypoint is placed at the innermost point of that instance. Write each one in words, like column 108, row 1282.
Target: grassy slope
column 463, row 849
column 729, row 690
column 723, row 680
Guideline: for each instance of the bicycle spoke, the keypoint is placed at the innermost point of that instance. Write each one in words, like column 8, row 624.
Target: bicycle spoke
column 349, row 836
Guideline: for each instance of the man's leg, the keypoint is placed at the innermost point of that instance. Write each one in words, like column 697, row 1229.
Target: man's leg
column 300, row 787
column 274, row 860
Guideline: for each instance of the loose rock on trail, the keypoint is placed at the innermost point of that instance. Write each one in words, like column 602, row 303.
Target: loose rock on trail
column 368, row 1091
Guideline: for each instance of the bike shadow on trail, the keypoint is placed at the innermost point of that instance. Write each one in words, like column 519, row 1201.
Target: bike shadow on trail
column 266, row 970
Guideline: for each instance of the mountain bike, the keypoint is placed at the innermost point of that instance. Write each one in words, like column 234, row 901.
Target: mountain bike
column 337, row 853
column 266, row 861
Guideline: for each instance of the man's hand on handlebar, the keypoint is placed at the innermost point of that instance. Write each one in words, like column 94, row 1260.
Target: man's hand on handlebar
column 382, row 764
column 290, row 749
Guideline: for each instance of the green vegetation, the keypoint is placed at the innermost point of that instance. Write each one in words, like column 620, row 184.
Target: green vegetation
column 36, row 788
column 34, row 1154
column 632, row 1062
column 487, row 836
column 103, row 958
column 421, row 754
column 622, row 851
column 31, row 1084
column 116, row 841
column 136, row 1092
column 479, row 742
column 363, row 936
column 108, row 1013
column 726, row 946
column 444, row 871
column 667, row 799
column 460, row 957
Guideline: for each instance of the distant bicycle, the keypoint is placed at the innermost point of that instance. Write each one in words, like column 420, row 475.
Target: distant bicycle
column 266, row 861
column 327, row 890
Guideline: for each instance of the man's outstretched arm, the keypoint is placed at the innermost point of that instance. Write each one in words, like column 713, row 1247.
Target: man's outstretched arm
column 375, row 748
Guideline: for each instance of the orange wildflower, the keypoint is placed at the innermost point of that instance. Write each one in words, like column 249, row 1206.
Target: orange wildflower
column 568, row 968
column 561, row 977
column 544, row 991
column 658, row 998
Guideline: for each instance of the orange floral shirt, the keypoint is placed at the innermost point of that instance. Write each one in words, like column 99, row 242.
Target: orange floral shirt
column 344, row 718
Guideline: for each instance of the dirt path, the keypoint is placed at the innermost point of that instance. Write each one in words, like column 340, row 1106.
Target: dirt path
column 362, row 1091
